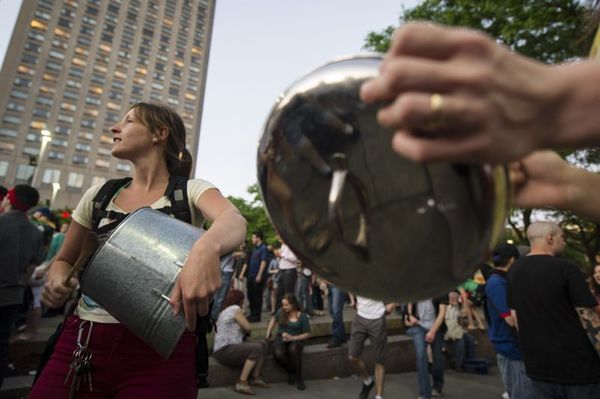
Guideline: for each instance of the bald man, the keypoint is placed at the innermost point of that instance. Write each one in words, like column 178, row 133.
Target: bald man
column 556, row 318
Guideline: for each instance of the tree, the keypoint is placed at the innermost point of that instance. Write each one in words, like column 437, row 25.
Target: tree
column 255, row 214
column 550, row 31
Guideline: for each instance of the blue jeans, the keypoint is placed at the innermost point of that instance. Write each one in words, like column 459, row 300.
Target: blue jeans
column 220, row 295
column 337, row 299
column 516, row 382
column 464, row 348
column 549, row 390
column 437, row 371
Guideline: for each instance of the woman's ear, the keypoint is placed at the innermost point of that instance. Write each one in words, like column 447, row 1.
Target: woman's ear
column 162, row 134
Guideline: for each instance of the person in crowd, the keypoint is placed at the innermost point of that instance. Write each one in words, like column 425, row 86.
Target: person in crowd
column 595, row 282
column 3, row 192
column 425, row 322
column 304, row 289
column 152, row 137
column 293, row 329
column 337, row 299
column 369, row 322
column 273, row 280
column 230, row 349
column 36, row 282
column 256, row 276
column 462, row 342
column 317, row 294
column 502, row 325
column 556, row 318
column 227, row 270
column 471, row 294
column 288, row 274
column 479, row 118
column 21, row 249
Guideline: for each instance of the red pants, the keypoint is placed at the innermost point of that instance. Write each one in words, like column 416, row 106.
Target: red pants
column 122, row 366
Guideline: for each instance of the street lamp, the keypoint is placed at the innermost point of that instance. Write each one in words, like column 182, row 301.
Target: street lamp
column 46, row 138
column 55, row 188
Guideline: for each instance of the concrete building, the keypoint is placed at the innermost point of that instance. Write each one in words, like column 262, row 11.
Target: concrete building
column 72, row 69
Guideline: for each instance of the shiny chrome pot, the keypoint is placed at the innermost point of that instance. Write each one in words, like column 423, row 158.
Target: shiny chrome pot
column 357, row 213
column 132, row 274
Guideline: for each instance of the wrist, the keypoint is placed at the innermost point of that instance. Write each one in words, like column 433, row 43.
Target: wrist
column 576, row 111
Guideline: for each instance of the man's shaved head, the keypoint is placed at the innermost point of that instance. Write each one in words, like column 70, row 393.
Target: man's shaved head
column 540, row 230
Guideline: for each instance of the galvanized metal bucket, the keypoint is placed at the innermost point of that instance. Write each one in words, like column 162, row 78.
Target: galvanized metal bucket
column 132, row 274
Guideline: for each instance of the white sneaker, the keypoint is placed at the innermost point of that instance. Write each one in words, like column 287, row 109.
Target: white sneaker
column 505, row 395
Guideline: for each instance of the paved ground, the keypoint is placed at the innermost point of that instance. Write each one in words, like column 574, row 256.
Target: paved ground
column 397, row 386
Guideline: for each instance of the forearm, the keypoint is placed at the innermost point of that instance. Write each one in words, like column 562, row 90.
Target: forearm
column 225, row 234
column 578, row 121
column 59, row 269
column 582, row 192
column 261, row 269
column 300, row 337
column 439, row 319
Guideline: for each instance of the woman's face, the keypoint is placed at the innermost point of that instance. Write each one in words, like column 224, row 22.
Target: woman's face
column 596, row 274
column 130, row 137
column 286, row 306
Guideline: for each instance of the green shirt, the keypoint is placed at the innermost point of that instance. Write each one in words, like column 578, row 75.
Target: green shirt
column 300, row 326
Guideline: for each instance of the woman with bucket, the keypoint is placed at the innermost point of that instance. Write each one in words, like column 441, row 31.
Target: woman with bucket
column 95, row 356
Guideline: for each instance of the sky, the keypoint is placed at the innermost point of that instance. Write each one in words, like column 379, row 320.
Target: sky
column 258, row 49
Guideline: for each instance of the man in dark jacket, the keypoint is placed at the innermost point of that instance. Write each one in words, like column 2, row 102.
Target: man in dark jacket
column 20, row 251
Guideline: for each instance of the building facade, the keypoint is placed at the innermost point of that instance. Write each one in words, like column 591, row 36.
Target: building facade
column 72, row 69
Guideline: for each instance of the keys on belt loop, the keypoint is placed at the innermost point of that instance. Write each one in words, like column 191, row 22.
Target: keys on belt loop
column 80, row 367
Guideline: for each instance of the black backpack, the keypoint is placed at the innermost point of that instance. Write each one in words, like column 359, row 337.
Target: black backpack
column 176, row 192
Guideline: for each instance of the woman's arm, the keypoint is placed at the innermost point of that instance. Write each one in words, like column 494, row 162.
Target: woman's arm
column 430, row 336
column 270, row 328
column 200, row 276
column 242, row 320
column 55, row 292
column 299, row 337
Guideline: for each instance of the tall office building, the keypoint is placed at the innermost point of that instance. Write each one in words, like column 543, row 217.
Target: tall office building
column 72, row 69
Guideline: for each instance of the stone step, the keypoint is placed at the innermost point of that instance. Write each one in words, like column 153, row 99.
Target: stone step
column 320, row 362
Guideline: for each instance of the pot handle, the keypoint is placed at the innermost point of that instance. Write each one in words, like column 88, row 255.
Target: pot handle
column 341, row 175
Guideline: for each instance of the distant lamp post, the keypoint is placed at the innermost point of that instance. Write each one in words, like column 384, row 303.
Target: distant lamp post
column 55, row 188
column 46, row 138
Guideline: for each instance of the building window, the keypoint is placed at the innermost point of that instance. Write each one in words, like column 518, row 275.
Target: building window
column 123, row 167
column 56, row 142
column 6, row 147
column 97, row 180
column 19, row 94
column 15, row 107
column 56, row 155
column 75, row 180
column 102, row 163
column 4, row 132
column 22, row 82
column 24, row 172
column 12, row 119
column 65, row 131
column 83, row 147
column 3, row 168
column 103, row 151
column 51, row 176
column 79, row 160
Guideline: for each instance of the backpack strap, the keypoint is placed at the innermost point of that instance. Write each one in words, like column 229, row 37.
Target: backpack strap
column 177, row 193
column 103, row 197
